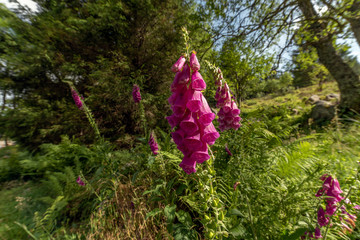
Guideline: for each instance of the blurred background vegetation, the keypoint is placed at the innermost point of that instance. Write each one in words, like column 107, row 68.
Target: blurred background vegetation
column 104, row 47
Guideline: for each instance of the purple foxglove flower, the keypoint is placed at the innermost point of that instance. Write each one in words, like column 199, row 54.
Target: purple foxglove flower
column 322, row 219
column 227, row 108
column 331, row 208
column 153, row 145
column 357, row 207
column 188, row 165
column 235, row 185
column 317, row 233
column 206, row 116
column 227, row 150
column 173, row 120
column 178, row 65
column 76, row 98
column 221, row 113
column 237, row 119
column 323, row 177
column 185, row 76
column 201, row 155
column 193, row 143
column 194, row 100
column 210, row 134
column 235, row 110
column 136, row 93
column 184, row 150
column 334, row 191
column 194, row 63
column 178, row 136
column 320, row 192
column 235, row 126
column 197, row 82
column 228, row 120
column 80, row 182
column 179, row 105
column 327, row 183
column 188, row 124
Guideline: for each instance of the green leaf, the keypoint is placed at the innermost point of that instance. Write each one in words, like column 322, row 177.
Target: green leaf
column 169, row 212
column 153, row 213
column 238, row 231
column 296, row 235
column 184, row 218
column 235, row 212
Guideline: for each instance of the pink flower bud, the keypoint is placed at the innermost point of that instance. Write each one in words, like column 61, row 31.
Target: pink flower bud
column 194, row 63
column 178, row 65
column 153, row 145
column 80, row 182
column 76, row 98
column 136, row 93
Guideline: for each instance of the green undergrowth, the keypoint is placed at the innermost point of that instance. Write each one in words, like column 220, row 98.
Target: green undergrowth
column 265, row 190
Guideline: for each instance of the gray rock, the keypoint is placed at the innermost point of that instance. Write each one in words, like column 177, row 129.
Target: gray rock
column 313, row 99
column 333, row 97
column 323, row 111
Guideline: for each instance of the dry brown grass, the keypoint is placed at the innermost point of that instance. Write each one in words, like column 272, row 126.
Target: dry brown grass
column 124, row 217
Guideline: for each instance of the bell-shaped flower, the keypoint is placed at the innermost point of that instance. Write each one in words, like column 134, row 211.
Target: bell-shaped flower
column 188, row 165
column 227, row 107
column 197, row 81
column 227, row 150
column 80, row 181
column 178, row 65
column 173, row 120
column 194, row 63
column 193, row 143
column 206, row 116
column 135, row 93
column 210, row 134
column 179, row 105
column 322, row 219
column 188, row 124
column 235, row 111
column 77, row 99
column 185, row 76
column 317, row 233
column 153, row 145
column 184, row 150
column 235, row 126
column 178, row 136
column 331, row 208
column 201, row 155
column 194, row 100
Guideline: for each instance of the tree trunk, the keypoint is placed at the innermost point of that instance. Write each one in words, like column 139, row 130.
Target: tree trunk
column 347, row 80
column 354, row 20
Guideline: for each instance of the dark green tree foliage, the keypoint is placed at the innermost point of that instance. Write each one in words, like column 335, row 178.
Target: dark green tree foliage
column 103, row 47
column 243, row 68
column 307, row 69
column 263, row 22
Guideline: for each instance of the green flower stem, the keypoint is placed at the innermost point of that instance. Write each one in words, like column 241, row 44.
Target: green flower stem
column 142, row 117
column 87, row 112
